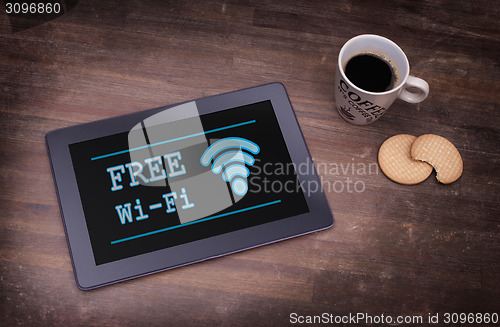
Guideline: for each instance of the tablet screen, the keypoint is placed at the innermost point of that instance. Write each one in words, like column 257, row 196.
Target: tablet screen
column 159, row 184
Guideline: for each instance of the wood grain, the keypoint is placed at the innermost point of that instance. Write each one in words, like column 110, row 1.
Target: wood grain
column 394, row 249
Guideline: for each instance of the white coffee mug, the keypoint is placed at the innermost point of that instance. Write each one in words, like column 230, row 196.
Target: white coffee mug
column 362, row 107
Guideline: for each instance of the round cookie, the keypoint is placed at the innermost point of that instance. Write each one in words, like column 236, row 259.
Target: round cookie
column 441, row 154
column 396, row 163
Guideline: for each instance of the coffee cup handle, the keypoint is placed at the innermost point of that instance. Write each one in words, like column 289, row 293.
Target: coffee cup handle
column 421, row 87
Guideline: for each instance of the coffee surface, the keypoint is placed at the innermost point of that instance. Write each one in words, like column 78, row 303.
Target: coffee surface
column 370, row 72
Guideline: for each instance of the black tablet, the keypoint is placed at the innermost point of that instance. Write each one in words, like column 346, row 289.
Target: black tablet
column 170, row 186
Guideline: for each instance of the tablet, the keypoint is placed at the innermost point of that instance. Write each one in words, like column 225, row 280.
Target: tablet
column 170, row 186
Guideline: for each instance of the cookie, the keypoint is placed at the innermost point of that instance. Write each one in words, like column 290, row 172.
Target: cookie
column 441, row 154
column 396, row 163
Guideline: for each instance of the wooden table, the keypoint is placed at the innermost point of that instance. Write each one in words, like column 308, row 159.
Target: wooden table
column 428, row 249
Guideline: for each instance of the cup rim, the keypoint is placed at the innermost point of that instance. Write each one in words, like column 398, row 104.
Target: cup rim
column 373, row 36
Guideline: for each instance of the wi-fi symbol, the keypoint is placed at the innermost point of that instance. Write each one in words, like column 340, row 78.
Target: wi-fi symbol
column 228, row 157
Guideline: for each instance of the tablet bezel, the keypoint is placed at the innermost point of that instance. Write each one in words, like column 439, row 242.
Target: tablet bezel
column 88, row 275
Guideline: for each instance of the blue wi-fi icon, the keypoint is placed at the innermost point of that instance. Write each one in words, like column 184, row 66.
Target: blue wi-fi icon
column 228, row 157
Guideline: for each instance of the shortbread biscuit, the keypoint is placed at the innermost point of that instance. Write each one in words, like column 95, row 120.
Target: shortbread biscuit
column 441, row 154
column 396, row 163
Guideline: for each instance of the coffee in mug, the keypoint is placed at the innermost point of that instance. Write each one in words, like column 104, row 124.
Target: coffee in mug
column 372, row 72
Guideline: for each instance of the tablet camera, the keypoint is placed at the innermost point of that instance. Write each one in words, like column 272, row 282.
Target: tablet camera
column 230, row 156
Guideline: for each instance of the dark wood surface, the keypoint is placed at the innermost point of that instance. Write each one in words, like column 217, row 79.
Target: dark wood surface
column 394, row 249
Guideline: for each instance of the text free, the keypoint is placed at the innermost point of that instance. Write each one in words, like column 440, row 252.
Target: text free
column 154, row 166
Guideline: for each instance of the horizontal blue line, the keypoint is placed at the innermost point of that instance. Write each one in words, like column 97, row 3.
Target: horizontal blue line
column 194, row 222
column 172, row 140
